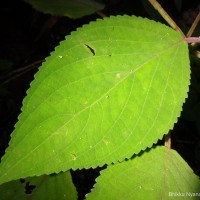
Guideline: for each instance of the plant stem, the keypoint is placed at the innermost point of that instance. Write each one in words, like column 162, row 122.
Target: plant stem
column 193, row 25
column 167, row 18
column 192, row 39
column 168, row 140
column 101, row 14
column 17, row 73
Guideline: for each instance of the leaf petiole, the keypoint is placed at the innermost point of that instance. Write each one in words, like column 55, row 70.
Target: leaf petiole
column 165, row 15
column 192, row 39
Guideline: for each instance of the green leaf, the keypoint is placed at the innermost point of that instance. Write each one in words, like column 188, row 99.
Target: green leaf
column 72, row 9
column 112, row 89
column 156, row 174
column 52, row 187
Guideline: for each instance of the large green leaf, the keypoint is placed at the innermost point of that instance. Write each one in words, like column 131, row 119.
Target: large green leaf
column 113, row 88
column 50, row 187
column 157, row 174
column 72, row 9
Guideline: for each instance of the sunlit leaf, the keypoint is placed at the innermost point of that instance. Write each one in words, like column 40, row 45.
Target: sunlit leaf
column 111, row 89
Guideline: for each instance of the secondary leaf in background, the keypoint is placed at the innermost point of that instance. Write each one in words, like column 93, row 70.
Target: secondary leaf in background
column 152, row 175
column 113, row 88
column 50, row 187
column 72, row 9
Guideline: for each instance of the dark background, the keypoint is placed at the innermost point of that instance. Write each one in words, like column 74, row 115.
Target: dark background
column 28, row 36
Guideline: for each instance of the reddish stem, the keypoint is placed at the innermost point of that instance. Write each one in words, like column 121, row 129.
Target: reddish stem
column 192, row 39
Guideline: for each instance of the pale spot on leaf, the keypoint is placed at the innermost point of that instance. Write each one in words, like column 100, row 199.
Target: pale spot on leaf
column 106, row 142
column 85, row 103
column 73, row 156
column 118, row 75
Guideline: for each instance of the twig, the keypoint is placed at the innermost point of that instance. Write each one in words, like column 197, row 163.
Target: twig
column 47, row 26
column 101, row 14
column 167, row 18
column 16, row 73
column 30, row 66
column 192, row 28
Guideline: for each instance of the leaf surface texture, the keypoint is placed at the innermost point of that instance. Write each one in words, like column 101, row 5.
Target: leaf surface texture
column 156, row 174
column 52, row 187
column 111, row 89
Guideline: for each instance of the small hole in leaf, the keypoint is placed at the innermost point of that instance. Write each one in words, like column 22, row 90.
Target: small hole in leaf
column 91, row 49
column 29, row 188
column 22, row 180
